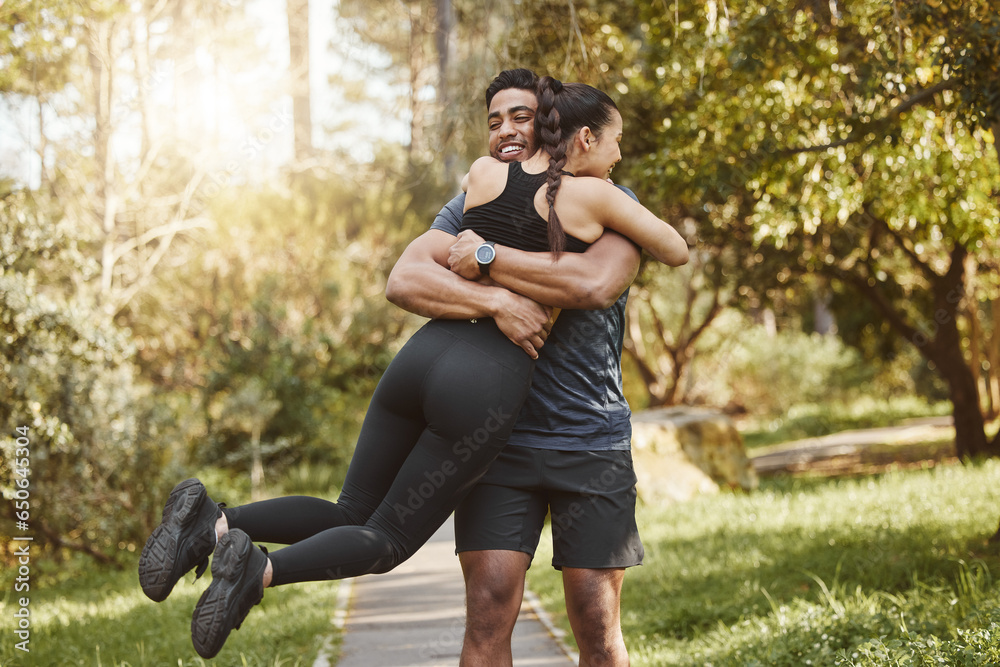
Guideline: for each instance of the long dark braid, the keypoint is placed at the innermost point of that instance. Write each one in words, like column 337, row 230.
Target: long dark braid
column 562, row 110
column 549, row 131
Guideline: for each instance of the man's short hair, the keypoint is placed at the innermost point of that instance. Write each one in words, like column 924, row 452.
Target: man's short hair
column 521, row 78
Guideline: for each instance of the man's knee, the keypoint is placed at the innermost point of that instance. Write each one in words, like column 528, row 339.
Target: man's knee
column 494, row 586
column 593, row 603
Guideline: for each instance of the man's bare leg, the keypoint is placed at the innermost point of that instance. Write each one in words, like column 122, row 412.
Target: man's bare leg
column 494, row 588
column 593, row 604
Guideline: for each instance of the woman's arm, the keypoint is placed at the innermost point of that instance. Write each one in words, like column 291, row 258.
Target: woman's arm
column 608, row 206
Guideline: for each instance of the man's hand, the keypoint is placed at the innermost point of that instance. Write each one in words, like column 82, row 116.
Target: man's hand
column 462, row 257
column 524, row 321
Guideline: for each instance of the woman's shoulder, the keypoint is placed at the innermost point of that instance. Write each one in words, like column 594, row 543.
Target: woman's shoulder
column 486, row 179
column 487, row 163
column 589, row 187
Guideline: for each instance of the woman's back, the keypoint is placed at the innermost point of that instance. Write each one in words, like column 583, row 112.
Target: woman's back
column 512, row 217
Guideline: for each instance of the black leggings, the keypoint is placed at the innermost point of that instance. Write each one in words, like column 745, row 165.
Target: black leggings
column 441, row 413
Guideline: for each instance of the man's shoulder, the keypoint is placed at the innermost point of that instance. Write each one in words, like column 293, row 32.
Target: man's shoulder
column 449, row 218
column 627, row 191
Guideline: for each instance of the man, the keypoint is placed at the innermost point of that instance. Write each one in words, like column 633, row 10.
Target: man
column 569, row 452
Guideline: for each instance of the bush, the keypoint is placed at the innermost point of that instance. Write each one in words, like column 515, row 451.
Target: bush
column 70, row 412
column 769, row 373
column 972, row 648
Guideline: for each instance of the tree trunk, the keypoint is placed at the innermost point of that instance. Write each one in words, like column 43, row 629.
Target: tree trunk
column 46, row 180
column 298, row 70
column 975, row 346
column 101, row 60
column 993, row 359
column 943, row 347
column 443, row 43
column 946, row 352
column 995, row 129
column 256, row 465
column 970, row 427
column 993, row 342
column 415, row 61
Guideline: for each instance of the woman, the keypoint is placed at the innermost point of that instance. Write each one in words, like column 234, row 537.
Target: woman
column 443, row 409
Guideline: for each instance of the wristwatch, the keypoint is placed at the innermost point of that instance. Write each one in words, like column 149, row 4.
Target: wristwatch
column 485, row 254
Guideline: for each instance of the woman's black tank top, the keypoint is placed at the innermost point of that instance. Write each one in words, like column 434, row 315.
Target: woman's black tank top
column 511, row 219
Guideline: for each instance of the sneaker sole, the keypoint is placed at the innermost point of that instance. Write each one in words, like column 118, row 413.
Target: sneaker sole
column 217, row 612
column 158, row 559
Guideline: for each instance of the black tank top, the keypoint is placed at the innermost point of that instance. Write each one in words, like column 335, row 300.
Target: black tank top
column 511, row 219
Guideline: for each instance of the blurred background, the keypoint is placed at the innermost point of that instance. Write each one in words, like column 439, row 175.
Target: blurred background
column 201, row 202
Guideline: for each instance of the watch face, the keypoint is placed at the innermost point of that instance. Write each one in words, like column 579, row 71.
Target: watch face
column 485, row 254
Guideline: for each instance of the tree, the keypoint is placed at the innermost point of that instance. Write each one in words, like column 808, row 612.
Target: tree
column 247, row 409
column 830, row 141
column 439, row 56
column 846, row 140
column 284, row 295
column 966, row 39
column 297, row 12
column 120, row 201
column 668, row 314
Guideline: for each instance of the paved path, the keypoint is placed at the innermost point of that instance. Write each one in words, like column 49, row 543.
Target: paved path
column 415, row 616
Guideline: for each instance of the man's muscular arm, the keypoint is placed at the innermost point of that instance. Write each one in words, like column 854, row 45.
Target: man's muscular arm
column 588, row 280
column 418, row 283
column 422, row 283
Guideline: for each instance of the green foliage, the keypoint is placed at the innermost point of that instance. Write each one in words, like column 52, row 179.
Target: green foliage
column 168, row 313
column 967, row 35
column 772, row 372
column 68, row 387
column 806, row 139
column 38, row 43
column 283, row 301
column 312, row 479
column 746, row 366
column 972, row 648
column 806, row 572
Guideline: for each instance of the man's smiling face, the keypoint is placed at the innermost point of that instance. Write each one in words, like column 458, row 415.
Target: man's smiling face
column 512, row 124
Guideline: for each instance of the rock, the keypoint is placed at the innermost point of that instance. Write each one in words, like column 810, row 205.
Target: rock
column 681, row 452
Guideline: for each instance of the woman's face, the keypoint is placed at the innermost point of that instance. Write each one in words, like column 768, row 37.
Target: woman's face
column 605, row 150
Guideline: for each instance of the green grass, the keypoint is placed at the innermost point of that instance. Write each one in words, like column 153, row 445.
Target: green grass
column 83, row 613
column 867, row 571
column 813, row 420
column 101, row 618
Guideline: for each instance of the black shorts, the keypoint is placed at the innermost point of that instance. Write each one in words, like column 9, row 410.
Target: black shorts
column 591, row 496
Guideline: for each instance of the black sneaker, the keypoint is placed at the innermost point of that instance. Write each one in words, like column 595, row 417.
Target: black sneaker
column 237, row 585
column 183, row 540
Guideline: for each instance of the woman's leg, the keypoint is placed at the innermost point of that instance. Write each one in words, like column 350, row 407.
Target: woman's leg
column 469, row 403
column 468, row 400
column 385, row 441
column 192, row 521
column 394, row 422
